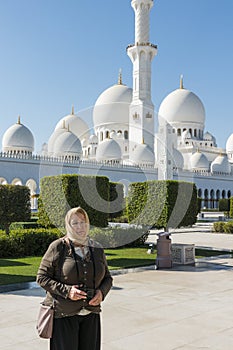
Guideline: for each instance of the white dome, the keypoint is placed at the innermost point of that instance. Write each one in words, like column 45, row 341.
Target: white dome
column 84, row 142
column 143, row 154
column 229, row 144
column 93, row 139
column 182, row 106
column 221, row 165
column 198, row 161
column 112, row 106
column 53, row 138
column 186, row 135
column 209, row 137
column 108, row 150
column 67, row 144
column 178, row 160
column 18, row 138
column 75, row 124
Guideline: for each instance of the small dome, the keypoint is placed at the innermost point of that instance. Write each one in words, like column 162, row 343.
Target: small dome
column 182, row 106
column 18, row 138
column 208, row 137
column 84, row 142
column 93, row 139
column 178, row 160
column 221, row 165
column 112, row 106
column 67, row 144
column 229, row 144
column 186, row 135
column 108, row 150
column 75, row 124
column 198, row 161
column 143, row 154
column 53, row 138
column 120, row 135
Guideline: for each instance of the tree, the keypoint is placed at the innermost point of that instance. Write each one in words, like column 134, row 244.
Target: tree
column 14, row 205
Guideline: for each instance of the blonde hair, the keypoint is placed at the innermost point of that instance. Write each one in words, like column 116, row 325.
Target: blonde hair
column 77, row 210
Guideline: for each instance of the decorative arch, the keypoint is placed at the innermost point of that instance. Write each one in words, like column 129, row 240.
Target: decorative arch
column 3, row 181
column 212, row 201
column 32, row 185
column 206, row 198
column 223, row 194
column 17, row 181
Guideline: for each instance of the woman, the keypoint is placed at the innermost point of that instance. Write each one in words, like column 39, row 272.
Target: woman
column 75, row 274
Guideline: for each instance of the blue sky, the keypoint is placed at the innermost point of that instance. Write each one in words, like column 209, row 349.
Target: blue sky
column 55, row 53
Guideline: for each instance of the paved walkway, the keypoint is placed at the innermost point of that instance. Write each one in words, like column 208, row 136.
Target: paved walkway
column 180, row 308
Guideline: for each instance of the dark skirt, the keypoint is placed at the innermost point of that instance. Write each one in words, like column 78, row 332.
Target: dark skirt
column 76, row 333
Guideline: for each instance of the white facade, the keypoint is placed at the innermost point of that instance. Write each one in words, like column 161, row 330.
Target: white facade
column 124, row 145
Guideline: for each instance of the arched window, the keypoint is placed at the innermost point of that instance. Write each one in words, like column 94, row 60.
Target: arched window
column 190, row 131
column 206, row 198
column 223, row 194
column 200, row 193
column 107, row 135
column 101, row 136
column 212, row 199
column 195, row 132
column 229, row 194
column 126, row 135
column 178, row 132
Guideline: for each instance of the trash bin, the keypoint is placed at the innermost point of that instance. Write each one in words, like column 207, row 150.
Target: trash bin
column 164, row 258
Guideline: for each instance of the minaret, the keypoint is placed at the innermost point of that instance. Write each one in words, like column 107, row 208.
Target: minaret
column 141, row 53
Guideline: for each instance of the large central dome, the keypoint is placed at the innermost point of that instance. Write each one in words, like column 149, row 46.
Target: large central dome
column 112, row 106
column 182, row 106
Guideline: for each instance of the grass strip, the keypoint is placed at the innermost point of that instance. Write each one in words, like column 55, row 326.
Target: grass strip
column 25, row 269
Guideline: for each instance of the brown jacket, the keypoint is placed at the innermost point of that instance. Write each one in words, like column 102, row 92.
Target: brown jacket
column 58, row 272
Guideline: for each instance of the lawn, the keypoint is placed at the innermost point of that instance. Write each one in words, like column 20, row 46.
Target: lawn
column 25, row 269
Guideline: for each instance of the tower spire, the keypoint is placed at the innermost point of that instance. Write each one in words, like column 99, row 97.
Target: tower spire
column 181, row 81
column 141, row 54
column 120, row 77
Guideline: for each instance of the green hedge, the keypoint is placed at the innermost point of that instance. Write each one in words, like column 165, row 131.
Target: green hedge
column 120, row 237
column 15, row 205
column 60, row 193
column 116, row 198
column 223, row 227
column 32, row 242
column 162, row 204
column 27, row 242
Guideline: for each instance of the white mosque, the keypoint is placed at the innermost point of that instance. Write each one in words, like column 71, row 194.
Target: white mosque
column 124, row 146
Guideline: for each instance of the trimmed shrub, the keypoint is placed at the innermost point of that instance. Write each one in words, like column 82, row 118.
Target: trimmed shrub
column 162, row 204
column 27, row 242
column 219, row 227
column 14, row 205
column 60, row 193
column 35, row 242
column 113, row 237
column 116, row 198
column 228, row 227
column 224, row 204
column 231, row 208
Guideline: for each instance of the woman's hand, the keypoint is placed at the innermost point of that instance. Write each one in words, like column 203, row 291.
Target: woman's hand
column 77, row 294
column 96, row 300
